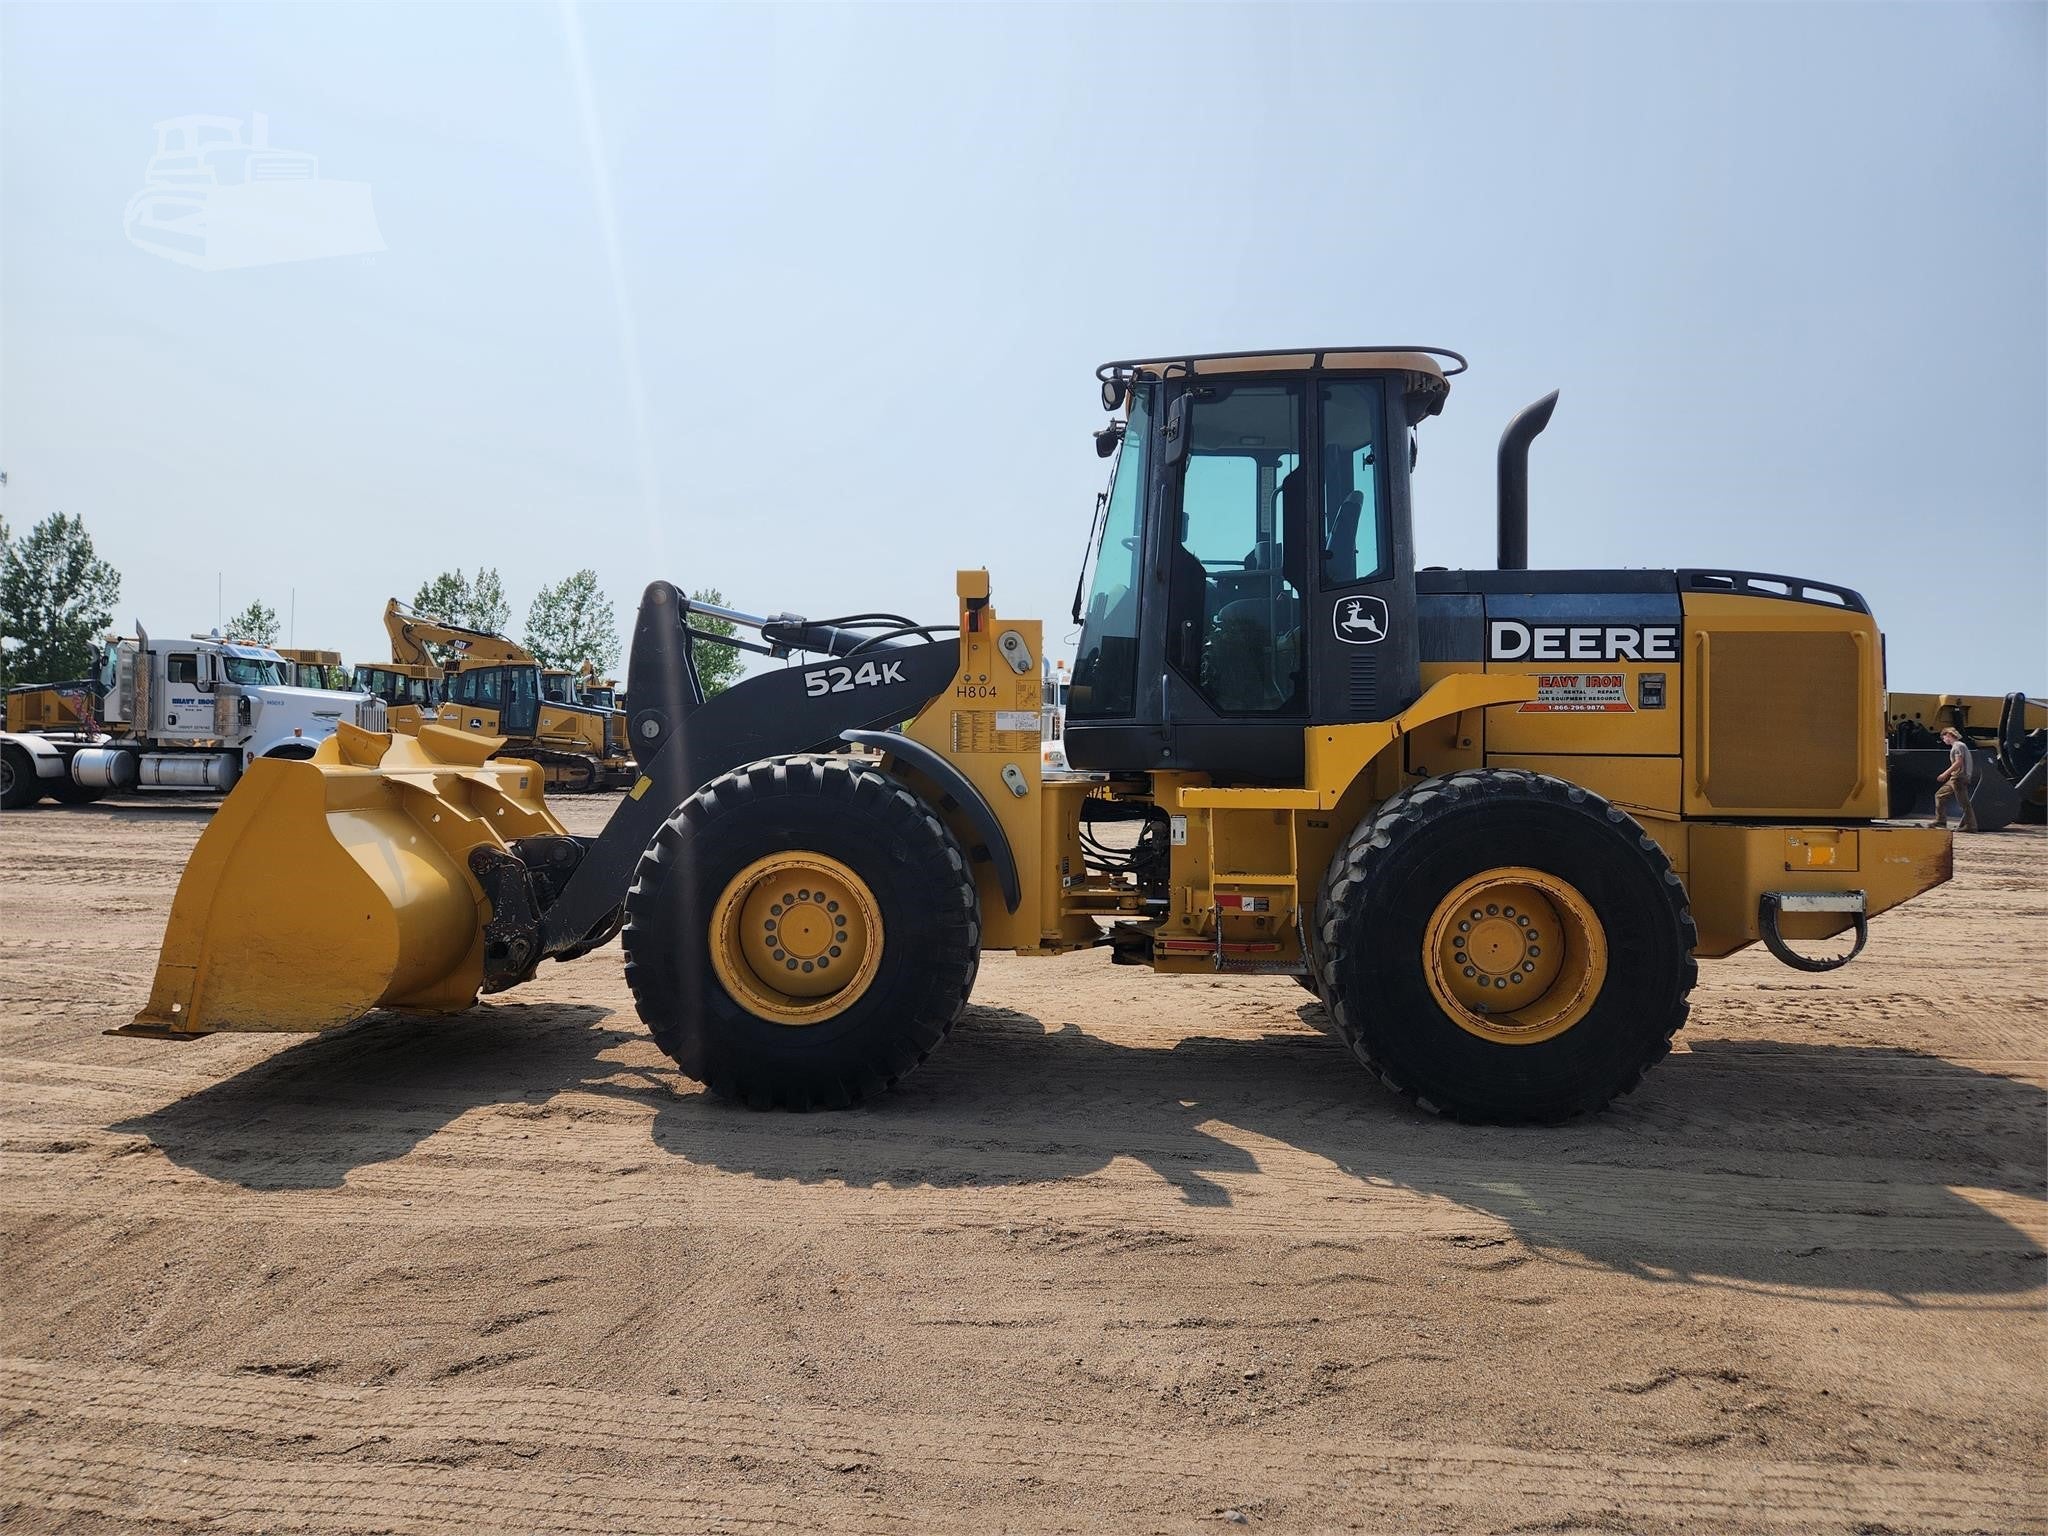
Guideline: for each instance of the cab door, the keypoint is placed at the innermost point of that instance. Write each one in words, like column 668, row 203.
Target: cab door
column 186, row 702
column 1237, row 525
column 1362, row 630
column 521, row 710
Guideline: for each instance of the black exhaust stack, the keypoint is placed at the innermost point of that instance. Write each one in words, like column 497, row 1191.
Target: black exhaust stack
column 1514, row 481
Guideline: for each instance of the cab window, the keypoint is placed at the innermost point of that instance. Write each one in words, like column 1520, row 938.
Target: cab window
column 1354, row 482
column 183, row 668
column 1106, row 661
column 1235, row 590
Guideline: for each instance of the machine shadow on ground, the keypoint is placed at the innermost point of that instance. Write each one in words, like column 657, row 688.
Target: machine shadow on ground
column 141, row 810
column 1646, row 1188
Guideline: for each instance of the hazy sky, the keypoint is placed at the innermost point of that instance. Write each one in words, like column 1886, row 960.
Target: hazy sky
column 805, row 303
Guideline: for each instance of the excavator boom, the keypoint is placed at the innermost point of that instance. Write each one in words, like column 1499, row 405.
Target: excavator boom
column 411, row 633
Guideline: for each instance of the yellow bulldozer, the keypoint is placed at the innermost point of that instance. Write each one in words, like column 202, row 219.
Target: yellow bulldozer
column 1493, row 818
column 496, row 688
column 411, row 693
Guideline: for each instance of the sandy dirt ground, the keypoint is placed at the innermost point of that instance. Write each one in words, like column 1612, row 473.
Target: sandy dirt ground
column 1127, row 1254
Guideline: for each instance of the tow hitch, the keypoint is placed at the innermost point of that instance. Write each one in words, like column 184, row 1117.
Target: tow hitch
column 1774, row 902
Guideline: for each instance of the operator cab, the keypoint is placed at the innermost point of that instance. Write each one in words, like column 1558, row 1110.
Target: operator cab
column 1252, row 571
column 397, row 687
column 511, row 688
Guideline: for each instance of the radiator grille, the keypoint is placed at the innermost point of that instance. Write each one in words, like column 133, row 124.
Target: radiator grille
column 1782, row 728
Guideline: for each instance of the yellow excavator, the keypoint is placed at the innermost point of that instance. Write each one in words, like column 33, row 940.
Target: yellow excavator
column 1492, row 818
column 496, row 688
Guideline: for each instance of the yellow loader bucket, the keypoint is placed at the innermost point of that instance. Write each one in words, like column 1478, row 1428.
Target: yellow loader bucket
column 328, row 887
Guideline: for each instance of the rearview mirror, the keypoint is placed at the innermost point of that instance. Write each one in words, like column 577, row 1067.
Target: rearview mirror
column 1107, row 439
column 1173, row 438
column 1112, row 394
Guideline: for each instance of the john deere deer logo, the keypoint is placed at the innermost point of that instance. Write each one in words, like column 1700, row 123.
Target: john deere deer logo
column 1361, row 620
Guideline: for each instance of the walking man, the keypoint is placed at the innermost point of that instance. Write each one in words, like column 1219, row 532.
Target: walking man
column 1954, row 783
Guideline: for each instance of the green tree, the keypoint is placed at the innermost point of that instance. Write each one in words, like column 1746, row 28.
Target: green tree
column 572, row 622
column 56, row 600
column 718, row 666
column 488, row 609
column 455, row 599
column 444, row 597
column 254, row 625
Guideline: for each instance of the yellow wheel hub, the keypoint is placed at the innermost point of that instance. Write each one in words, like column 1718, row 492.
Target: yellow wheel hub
column 1515, row 956
column 796, row 938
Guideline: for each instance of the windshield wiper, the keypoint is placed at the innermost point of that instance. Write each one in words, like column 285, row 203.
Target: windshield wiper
column 1094, row 529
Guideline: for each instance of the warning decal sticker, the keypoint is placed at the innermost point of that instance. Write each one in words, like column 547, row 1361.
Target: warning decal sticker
column 1580, row 693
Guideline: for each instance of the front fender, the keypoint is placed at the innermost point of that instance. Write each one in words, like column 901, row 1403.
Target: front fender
column 46, row 759
column 267, row 746
column 958, row 788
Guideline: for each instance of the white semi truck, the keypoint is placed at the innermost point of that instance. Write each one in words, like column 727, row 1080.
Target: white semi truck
column 186, row 714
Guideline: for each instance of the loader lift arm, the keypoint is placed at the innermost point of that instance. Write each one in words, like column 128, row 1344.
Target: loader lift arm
column 684, row 740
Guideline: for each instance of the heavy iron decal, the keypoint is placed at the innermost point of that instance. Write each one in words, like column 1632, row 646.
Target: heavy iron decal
column 1512, row 640
column 1580, row 693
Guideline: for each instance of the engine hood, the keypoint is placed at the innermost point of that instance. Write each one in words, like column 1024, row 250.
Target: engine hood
column 313, row 701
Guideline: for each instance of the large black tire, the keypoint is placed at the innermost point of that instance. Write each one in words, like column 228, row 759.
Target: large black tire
column 68, row 791
column 1387, row 881
column 920, row 884
column 19, row 786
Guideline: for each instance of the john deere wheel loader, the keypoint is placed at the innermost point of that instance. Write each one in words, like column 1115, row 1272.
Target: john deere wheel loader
column 1492, row 817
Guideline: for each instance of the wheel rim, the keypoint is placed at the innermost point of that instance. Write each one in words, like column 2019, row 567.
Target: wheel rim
column 6, row 775
column 796, row 938
column 1515, row 956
